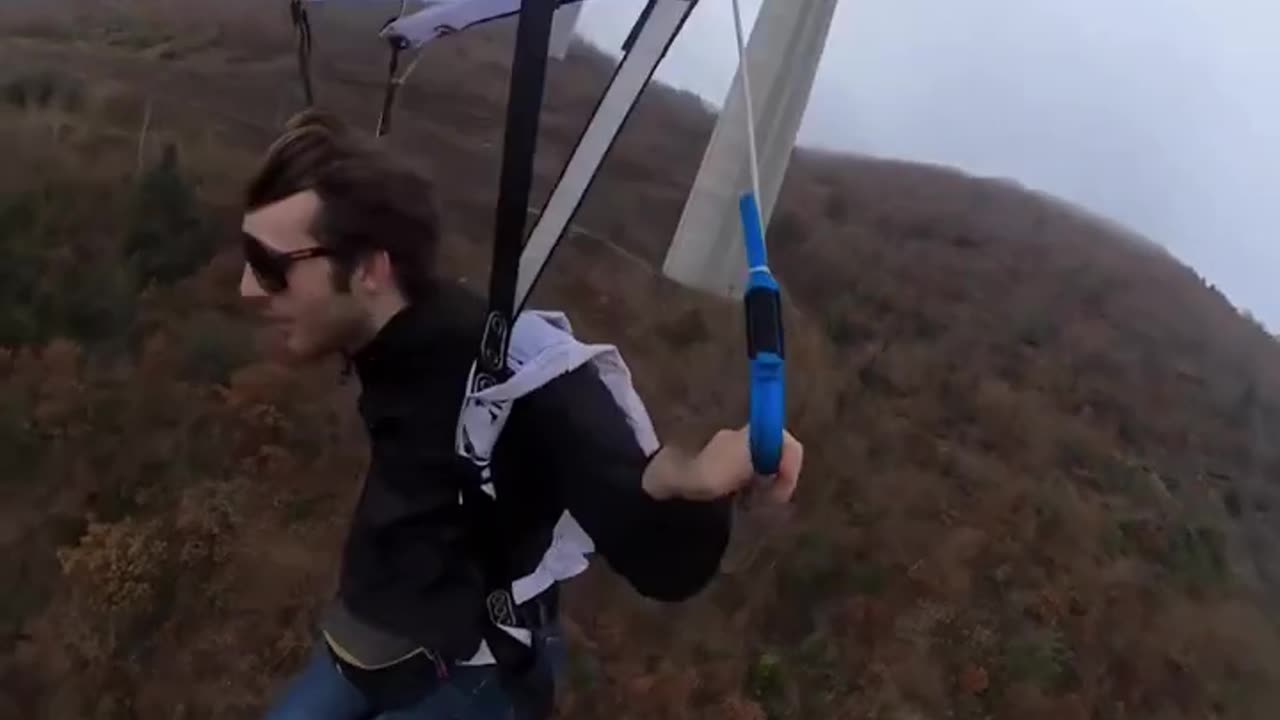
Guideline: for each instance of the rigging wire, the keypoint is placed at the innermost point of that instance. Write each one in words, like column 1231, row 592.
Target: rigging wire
column 762, row 302
column 302, row 26
column 746, row 95
column 398, row 45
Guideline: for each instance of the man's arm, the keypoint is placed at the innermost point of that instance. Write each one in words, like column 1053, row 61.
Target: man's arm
column 667, row 547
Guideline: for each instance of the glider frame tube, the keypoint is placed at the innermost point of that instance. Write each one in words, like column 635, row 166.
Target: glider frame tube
column 661, row 23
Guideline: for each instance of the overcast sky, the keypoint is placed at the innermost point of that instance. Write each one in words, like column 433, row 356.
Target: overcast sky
column 1163, row 114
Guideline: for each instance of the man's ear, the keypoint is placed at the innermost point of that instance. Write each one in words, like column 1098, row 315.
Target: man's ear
column 373, row 273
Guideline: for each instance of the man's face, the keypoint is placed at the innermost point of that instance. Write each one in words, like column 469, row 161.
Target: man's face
column 312, row 318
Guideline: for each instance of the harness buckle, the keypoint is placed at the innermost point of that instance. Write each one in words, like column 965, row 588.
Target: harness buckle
column 502, row 608
column 493, row 344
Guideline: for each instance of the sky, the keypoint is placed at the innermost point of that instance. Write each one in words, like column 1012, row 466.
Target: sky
column 1161, row 114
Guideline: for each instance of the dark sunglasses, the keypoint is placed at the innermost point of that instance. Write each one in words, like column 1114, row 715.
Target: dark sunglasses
column 271, row 267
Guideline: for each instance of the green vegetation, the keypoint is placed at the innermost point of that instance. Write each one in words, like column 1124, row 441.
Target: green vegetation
column 168, row 235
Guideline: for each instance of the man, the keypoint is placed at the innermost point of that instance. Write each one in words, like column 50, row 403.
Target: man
column 340, row 240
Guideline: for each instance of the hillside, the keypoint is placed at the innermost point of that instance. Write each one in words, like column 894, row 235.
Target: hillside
column 1039, row 479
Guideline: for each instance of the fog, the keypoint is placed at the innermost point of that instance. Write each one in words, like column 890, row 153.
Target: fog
column 1161, row 114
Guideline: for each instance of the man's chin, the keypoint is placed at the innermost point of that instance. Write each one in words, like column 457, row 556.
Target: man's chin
column 306, row 354
column 298, row 352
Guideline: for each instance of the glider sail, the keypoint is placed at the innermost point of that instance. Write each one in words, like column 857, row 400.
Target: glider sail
column 442, row 18
column 658, row 27
column 732, row 197
column 782, row 58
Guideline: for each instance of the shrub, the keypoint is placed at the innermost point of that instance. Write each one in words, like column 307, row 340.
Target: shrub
column 836, row 208
column 687, row 329
column 1196, row 556
column 56, row 278
column 788, row 229
column 44, row 89
column 215, row 346
column 766, row 683
column 168, row 236
column 1039, row 657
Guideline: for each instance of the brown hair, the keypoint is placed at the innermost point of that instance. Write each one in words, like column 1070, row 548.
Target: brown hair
column 369, row 200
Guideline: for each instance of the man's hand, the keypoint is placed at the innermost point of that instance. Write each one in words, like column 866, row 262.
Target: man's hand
column 722, row 468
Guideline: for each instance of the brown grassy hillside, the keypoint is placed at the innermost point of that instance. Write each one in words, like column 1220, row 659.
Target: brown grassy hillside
column 1039, row 482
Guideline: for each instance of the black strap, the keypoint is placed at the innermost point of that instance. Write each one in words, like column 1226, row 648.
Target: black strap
column 525, row 670
column 398, row 45
column 524, row 109
column 302, row 26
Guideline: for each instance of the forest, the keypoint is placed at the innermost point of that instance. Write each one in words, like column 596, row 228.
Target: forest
column 1038, row 481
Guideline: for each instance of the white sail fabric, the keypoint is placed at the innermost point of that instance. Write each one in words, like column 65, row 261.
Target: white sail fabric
column 562, row 27
column 445, row 18
column 785, row 48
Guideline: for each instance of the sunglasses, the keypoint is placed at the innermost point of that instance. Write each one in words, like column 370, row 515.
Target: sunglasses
column 271, row 267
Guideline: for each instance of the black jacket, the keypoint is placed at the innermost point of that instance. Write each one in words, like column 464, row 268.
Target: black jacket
column 415, row 561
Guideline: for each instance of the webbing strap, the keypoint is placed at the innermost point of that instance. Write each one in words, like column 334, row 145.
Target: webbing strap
column 398, row 45
column 524, row 105
column 302, row 26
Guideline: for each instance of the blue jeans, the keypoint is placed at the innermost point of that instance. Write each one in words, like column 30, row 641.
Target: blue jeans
column 320, row 692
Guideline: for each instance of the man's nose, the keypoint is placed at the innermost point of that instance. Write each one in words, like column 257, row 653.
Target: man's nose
column 249, row 286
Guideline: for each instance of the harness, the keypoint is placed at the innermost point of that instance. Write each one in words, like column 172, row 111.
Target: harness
column 542, row 348
column 516, row 609
column 499, row 377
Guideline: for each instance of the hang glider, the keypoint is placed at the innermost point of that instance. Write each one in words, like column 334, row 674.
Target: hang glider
column 433, row 19
column 723, row 224
column 440, row 19
column 429, row 20
column 732, row 197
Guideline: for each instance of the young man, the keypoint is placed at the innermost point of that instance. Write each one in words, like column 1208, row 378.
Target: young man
column 340, row 240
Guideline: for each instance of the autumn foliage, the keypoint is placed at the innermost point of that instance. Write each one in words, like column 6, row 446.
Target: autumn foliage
column 1040, row 479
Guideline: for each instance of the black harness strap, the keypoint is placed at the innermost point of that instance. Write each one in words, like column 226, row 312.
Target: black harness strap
column 530, row 689
column 302, row 26
column 524, row 109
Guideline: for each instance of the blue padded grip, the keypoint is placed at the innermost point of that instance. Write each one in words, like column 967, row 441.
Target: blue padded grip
column 767, row 412
column 764, row 346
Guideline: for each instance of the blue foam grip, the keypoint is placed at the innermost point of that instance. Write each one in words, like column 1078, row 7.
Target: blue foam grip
column 762, row 303
column 768, row 409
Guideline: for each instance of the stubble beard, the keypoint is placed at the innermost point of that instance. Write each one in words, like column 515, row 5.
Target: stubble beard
column 337, row 328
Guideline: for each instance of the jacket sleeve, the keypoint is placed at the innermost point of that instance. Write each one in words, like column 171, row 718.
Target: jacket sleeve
column 668, row 550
